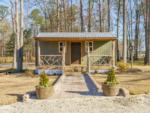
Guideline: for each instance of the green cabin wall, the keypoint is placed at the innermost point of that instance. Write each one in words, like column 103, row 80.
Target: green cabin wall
column 49, row 48
column 99, row 48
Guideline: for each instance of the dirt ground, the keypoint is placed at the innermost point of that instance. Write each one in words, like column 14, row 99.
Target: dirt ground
column 13, row 86
column 136, row 83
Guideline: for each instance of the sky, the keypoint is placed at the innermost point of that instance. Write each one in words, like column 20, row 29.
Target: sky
column 5, row 2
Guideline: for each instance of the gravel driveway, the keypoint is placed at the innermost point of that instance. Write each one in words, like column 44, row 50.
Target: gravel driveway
column 137, row 104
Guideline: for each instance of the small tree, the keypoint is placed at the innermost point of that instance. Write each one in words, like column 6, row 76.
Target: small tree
column 44, row 80
column 111, row 78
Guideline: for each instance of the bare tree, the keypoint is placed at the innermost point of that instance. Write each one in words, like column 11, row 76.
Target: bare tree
column 21, row 34
column 100, row 16
column 81, row 16
column 12, row 6
column 136, row 42
column 124, row 31
column 147, row 31
column 64, row 11
column 58, row 16
column 108, row 14
column 90, row 9
column 118, row 20
column 71, row 14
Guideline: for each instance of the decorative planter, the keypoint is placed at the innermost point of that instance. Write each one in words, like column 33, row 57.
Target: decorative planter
column 110, row 90
column 44, row 92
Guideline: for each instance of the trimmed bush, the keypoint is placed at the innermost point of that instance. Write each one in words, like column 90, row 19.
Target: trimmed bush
column 44, row 80
column 110, row 86
column 111, row 78
column 29, row 73
column 123, row 66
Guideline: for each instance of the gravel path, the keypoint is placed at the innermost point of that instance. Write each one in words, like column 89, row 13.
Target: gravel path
column 137, row 104
column 77, row 85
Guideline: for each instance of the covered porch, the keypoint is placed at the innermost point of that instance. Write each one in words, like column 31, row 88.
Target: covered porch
column 75, row 51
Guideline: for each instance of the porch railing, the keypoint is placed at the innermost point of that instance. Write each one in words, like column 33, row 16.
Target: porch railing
column 51, row 60
column 100, row 60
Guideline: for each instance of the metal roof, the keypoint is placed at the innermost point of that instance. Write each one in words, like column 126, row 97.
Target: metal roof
column 75, row 35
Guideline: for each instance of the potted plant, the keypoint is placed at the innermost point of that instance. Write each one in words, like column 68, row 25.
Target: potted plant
column 44, row 89
column 110, row 86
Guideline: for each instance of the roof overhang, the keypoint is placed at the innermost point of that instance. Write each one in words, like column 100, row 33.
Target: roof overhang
column 84, row 36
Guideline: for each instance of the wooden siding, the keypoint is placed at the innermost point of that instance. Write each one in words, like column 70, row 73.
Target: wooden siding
column 49, row 48
column 68, row 53
column 100, row 48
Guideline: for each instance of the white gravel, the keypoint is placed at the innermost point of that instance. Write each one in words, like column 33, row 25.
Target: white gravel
column 89, row 104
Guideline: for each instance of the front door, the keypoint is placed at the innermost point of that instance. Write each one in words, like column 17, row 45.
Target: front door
column 75, row 53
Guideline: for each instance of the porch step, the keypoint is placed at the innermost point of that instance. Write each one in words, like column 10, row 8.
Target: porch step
column 75, row 69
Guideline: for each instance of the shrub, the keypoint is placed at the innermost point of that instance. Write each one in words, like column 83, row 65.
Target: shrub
column 29, row 73
column 123, row 66
column 44, row 80
column 111, row 78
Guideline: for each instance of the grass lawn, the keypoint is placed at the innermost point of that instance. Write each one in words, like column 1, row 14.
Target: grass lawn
column 136, row 83
column 13, row 86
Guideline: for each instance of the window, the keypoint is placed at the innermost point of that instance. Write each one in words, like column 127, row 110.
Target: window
column 89, row 45
column 61, row 47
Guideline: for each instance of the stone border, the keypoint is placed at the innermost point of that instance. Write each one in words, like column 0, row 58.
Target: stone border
column 57, row 84
column 94, row 81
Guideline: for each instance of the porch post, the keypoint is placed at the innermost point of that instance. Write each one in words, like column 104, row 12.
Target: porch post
column 63, row 56
column 38, row 53
column 88, row 63
column 113, row 53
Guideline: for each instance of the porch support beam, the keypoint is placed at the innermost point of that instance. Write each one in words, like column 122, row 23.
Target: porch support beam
column 113, row 53
column 88, row 60
column 64, row 56
column 38, row 52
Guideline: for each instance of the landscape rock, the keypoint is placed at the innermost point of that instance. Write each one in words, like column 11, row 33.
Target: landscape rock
column 26, row 97
column 123, row 92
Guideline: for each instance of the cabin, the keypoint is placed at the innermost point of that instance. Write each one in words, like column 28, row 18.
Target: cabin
column 75, row 51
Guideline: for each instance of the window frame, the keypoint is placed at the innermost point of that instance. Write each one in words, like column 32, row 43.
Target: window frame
column 90, row 46
column 87, row 45
column 61, row 46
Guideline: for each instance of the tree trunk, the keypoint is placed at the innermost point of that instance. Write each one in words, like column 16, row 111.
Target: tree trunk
column 81, row 16
column 108, row 16
column 58, row 15
column 71, row 15
column 17, row 36
column 118, row 19
column 64, row 10
column 21, row 33
column 136, row 43
column 124, row 31
column 90, row 8
column 14, row 31
column 147, row 32
column 100, row 17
